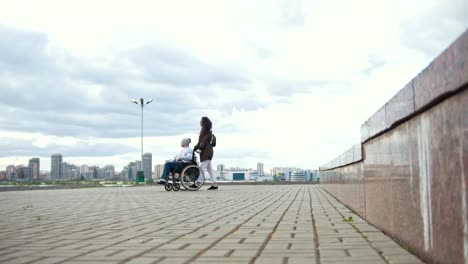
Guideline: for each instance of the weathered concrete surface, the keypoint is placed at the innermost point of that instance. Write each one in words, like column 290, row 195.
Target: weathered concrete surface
column 236, row 224
column 412, row 180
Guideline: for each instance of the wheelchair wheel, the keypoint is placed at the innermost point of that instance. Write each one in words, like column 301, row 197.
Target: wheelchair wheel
column 189, row 176
column 176, row 187
column 168, row 186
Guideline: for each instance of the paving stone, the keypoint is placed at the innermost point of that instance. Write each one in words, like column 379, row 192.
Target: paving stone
column 236, row 224
column 103, row 253
column 140, row 260
column 172, row 253
column 271, row 260
column 395, row 251
column 61, row 253
column 16, row 254
column 89, row 261
column 27, row 259
column 352, row 260
column 174, row 260
column 301, row 260
column 50, row 260
column 217, row 253
column 223, row 260
column 403, row 259
column 223, row 246
column 244, row 253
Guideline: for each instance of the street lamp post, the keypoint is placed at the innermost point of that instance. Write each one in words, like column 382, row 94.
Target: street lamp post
column 142, row 104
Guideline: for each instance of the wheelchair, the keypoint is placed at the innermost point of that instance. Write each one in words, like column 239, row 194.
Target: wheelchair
column 185, row 176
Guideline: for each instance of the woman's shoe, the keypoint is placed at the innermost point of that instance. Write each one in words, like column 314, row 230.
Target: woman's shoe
column 193, row 186
column 213, row 188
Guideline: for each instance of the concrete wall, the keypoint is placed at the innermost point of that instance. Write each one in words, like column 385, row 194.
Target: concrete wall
column 411, row 180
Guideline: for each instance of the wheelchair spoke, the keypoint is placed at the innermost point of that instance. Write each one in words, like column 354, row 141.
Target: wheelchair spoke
column 189, row 177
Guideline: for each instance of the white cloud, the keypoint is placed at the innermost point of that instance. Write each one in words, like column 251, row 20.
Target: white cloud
column 285, row 82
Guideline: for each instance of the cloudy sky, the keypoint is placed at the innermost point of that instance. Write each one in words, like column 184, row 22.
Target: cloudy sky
column 285, row 82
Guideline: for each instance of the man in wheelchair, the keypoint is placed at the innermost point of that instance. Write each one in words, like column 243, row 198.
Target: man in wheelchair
column 176, row 164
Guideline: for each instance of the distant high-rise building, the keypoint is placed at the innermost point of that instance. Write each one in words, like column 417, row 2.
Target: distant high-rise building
column 70, row 171
column 158, row 170
column 34, row 169
column 56, row 167
column 220, row 168
column 109, row 172
column 11, row 172
column 74, row 172
column 92, row 173
column 147, row 165
column 132, row 171
column 3, row 175
column 64, row 171
column 22, row 172
column 220, row 171
column 124, row 173
column 100, row 173
column 84, row 169
column 10, row 168
column 138, row 165
column 260, row 169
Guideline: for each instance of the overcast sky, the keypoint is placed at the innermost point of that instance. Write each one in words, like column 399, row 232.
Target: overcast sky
column 285, row 82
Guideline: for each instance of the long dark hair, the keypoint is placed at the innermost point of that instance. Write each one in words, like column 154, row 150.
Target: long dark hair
column 206, row 125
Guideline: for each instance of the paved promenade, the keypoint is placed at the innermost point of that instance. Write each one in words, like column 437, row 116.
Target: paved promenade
column 236, row 224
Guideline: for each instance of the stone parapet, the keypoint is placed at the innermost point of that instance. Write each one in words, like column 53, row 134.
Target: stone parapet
column 444, row 76
column 411, row 181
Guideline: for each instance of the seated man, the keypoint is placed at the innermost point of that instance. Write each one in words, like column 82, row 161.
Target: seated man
column 185, row 156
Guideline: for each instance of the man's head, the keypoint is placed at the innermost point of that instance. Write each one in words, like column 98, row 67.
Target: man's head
column 185, row 142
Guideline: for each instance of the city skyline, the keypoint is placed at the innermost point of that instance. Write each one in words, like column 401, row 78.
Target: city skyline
column 124, row 162
column 62, row 170
column 57, row 168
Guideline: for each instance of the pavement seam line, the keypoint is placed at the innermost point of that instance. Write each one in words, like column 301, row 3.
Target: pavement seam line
column 70, row 233
column 265, row 243
column 379, row 252
column 233, row 230
column 129, row 258
column 195, row 230
column 316, row 238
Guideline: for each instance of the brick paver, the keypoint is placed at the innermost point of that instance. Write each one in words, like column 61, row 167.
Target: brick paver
column 236, row 224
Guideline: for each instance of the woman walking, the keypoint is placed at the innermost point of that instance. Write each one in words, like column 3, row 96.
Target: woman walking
column 205, row 149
